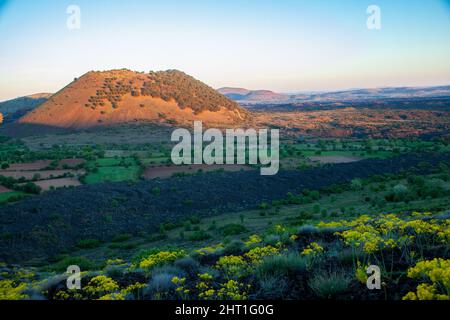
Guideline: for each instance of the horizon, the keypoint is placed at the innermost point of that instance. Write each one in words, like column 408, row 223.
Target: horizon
column 297, row 47
column 280, row 92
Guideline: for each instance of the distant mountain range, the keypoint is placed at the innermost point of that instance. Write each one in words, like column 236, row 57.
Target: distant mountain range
column 241, row 94
column 246, row 96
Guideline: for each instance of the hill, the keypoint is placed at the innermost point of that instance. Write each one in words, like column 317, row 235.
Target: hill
column 123, row 96
column 241, row 94
column 15, row 108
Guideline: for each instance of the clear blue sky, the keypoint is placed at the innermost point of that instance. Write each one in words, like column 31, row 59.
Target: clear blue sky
column 279, row 45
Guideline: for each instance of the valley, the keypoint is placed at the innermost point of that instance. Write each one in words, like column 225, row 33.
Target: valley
column 87, row 179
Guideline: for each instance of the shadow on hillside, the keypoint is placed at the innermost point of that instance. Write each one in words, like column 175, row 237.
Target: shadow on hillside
column 22, row 130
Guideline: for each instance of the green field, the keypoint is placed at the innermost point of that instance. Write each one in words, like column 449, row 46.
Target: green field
column 112, row 162
column 113, row 174
column 5, row 197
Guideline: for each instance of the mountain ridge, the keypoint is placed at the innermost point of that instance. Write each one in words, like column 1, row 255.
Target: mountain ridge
column 247, row 96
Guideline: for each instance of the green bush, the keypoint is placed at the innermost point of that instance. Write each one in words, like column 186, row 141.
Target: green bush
column 282, row 265
column 327, row 286
column 233, row 229
column 122, row 237
column 235, row 247
column 156, row 191
column 272, row 288
column 88, row 243
column 198, row 235
column 84, row 264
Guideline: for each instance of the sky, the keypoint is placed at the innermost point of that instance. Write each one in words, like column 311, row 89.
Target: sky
column 280, row 45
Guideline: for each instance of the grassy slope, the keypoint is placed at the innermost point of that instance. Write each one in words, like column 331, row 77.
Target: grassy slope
column 258, row 221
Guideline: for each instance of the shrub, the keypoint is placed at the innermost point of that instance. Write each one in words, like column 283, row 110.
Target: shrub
column 156, row 237
column 125, row 246
column 233, row 229
column 256, row 254
column 167, row 226
column 161, row 285
column 356, row 184
column 10, row 291
column 101, row 285
column 114, row 271
column 281, row 265
column 235, row 247
column 187, row 264
column 272, row 288
column 88, row 243
column 156, row 191
column 328, row 286
column 122, row 237
column 263, row 205
column 29, row 187
column 198, row 235
column 194, row 219
column 160, row 258
column 82, row 262
column 232, row 266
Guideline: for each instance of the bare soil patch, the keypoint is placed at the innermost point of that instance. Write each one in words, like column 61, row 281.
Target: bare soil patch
column 58, row 183
column 36, row 165
column 4, row 189
column 70, row 162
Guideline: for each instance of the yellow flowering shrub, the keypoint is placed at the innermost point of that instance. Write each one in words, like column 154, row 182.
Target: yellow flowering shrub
column 10, row 291
column 160, row 258
column 101, row 285
column 133, row 288
column 205, row 276
column 425, row 291
column 207, row 294
column 345, row 223
column 312, row 249
column 232, row 290
column 181, row 289
column 232, row 266
column 255, row 255
column 364, row 236
column 444, row 233
column 209, row 250
column 112, row 296
column 438, row 272
column 115, row 262
column 420, row 227
column 279, row 229
column 253, row 240
column 205, row 287
column 390, row 231
column 72, row 295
